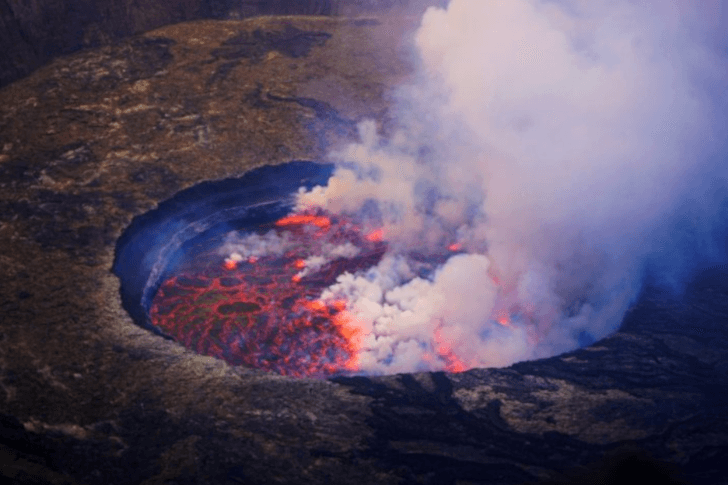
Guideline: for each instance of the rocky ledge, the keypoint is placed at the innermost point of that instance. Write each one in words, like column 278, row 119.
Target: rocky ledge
column 92, row 140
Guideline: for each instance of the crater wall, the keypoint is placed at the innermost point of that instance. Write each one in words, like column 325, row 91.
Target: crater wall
column 32, row 33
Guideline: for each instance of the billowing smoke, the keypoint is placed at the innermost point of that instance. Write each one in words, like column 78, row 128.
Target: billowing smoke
column 254, row 246
column 551, row 143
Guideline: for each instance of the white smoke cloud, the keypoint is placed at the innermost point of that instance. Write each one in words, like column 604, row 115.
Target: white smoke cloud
column 329, row 252
column 239, row 246
column 553, row 140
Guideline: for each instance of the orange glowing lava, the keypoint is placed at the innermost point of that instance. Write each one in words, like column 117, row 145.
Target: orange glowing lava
column 444, row 350
column 260, row 312
column 375, row 236
column 301, row 219
column 503, row 318
column 266, row 310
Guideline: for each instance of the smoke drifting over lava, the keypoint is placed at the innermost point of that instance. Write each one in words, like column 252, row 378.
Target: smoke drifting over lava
column 552, row 142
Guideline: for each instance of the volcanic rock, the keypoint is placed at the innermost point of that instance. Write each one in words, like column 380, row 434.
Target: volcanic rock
column 94, row 139
column 32, row 33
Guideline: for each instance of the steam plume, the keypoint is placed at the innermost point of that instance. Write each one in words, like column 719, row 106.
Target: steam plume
column 553, row 141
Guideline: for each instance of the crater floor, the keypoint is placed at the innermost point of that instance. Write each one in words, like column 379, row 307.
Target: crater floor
column 94, row 139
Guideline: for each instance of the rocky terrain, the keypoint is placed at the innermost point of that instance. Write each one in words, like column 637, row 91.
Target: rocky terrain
column 93, row 139
column 32, row 33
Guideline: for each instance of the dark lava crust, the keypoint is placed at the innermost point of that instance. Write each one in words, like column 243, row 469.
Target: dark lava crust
column 93, row 140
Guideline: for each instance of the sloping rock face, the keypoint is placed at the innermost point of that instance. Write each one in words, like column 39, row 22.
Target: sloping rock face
column 90, row 141
column 33, row 32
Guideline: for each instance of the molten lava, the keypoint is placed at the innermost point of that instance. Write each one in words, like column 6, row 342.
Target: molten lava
column 301, row 219
column 446, row 353
column 375, row 236
column 259, row 303
column 264, row 311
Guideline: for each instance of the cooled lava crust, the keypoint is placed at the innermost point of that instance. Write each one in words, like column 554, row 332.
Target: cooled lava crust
column 260, row 312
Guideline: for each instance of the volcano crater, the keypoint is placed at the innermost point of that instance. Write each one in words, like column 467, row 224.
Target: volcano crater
column 180, row 279
column 88, row 397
